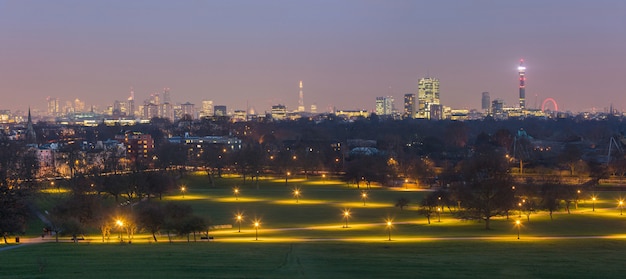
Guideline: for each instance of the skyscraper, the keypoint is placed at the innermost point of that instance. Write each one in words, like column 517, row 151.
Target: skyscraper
column 522, row 84
column 427, row 94
column 207, row 108
column 409, row 105
column 53, row 106
column 301, row 99
column 131, row 103
column 486, row 102
column 384, row 105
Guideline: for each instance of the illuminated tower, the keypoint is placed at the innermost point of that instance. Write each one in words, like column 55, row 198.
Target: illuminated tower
column 130, row 109
column 409, row 105
column 522, row 84
column 301, row 100
column 427, row 95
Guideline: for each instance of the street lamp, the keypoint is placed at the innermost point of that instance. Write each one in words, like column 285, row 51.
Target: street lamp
column 120, row 224
column 239, row 219
column 287, row 177
column 593, row 204
column 621, row 207
column 389, row 229
column 256, row 228
column 182, row 190
column 324, row 178
column 296, row 194
column 519, row 204
column 364, row 197
column 518, row 224
column 346, row 215
column 439, row 214
column 236, row 190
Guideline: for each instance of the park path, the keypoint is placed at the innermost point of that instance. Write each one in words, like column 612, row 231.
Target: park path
column 226, row 236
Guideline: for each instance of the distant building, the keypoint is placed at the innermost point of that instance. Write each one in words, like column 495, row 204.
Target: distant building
column 188, row 109
column 220, row 111
column 497, row 106
column 486, row 103
column 352, row 114
column 53, row 106
column 427, row 94
column 384, row 105
column 239, row 115
column 409, row 105
column 150, row 111
column 138, row 145
column 279, row 112
column 207, row 109
column 197, row 146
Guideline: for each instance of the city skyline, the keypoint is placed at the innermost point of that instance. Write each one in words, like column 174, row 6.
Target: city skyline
column 346, row 53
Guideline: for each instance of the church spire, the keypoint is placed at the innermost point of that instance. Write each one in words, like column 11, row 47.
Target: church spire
column 31, row 137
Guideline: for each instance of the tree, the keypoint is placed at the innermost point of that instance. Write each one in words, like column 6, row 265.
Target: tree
column 18, row 167
column 175, row 216
column 151, row 217
column 402, row 202
column 487, row 185
column 428, row 205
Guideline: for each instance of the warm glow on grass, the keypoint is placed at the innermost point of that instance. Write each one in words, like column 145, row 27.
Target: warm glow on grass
column 55, row 191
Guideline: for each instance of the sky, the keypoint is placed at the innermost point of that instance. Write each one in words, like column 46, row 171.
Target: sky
column 347, row 52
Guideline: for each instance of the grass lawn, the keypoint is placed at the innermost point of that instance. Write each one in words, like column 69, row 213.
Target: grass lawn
column 449, row 259
column 306, row 239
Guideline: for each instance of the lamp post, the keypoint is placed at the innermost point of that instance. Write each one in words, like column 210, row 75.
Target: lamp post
column 256, row 228
column 296, row 194
column 519, row 204
column 236, row 190
column 439, row 214
column 621, row 207
column 593, row 204
column 287, row 177
column 182, row 190
column 324, row 178
column 364, row 197
column 239, row 218
column 120, row 224
column 389, row 229
column 518, row 223
column 346, row 215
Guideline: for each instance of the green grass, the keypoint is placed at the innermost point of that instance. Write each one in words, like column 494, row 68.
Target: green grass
column 327, row 250
column 450, row 259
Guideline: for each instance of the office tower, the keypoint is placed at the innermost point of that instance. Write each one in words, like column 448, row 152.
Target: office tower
column 486, row 102
column 166, row 110
column 188, row 109
column 219, row 110
column 79, row 106
column 53, row 106
column 384, row 105
column 497, row 106
column 301, row 100
column 279, row 112
column 427, row 94
column 131, row 103
column 522, row 84
column 166, row 95
column 207, row 109
column 409, row 105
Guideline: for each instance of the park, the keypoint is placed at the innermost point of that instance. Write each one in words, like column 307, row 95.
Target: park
column 322, row 227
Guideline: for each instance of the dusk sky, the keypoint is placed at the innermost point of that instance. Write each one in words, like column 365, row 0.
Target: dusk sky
column 346, row 52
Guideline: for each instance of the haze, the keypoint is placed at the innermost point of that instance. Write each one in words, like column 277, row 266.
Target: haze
column 253, row 53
